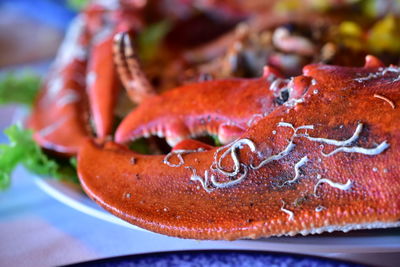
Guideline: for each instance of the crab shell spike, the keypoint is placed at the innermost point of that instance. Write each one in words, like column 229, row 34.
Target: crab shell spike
column 373, row 62
column 348, row 77
column 64, row 128
column 358, row 188
column 102, row 86
column 300, row 85
column 197, row 109
column 132, row 77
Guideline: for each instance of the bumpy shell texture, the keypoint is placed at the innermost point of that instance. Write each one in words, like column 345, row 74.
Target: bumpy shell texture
column 326, row 160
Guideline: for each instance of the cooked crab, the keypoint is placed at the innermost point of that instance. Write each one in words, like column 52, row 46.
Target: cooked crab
column 323, row 161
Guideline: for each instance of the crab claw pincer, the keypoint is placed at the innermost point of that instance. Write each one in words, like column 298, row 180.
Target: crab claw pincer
column 323, row 162
column 224, row 108
column 60, row 113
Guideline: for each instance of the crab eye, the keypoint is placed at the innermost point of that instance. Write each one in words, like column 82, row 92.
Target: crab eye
column 283, row 97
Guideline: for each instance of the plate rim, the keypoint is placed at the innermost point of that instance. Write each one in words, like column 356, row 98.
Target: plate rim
column 79, row 201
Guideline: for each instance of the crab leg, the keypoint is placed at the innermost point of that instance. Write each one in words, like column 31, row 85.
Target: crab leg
column 260, row 185
column 60, row 114
column 132, row 77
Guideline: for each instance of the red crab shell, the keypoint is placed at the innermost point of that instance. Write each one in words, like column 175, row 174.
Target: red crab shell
column 61, row 112
column 94, row 82
column 223, row 107
column 325, row 161
column 83, row 83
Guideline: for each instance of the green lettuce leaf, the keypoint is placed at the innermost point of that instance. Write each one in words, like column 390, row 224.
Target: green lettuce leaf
column 19, row 88
column 22, row 149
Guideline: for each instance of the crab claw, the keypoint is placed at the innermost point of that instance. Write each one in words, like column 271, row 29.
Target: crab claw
column 223, row 108
column 326, row 163
column 87, row 49
column 102, row 85
column 102, row 80
column 60, row 113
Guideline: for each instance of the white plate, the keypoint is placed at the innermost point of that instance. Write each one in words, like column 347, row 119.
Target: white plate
column 365, row 241
column 71, row 195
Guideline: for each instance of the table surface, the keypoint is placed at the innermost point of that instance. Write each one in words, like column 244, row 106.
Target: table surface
column 38, row 230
